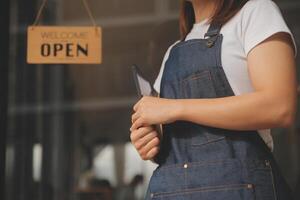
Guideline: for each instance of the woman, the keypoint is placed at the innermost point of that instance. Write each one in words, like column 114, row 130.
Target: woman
column 223, row 86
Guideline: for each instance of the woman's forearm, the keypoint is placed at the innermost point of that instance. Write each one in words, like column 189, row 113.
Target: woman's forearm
column 250, row 111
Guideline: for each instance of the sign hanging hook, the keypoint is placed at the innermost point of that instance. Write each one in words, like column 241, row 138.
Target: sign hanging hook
column 42, row 7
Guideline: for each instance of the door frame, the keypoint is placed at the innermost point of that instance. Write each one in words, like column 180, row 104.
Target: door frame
column 4, row 62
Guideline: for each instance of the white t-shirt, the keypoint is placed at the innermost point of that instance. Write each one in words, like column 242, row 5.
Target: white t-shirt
column 255, row 22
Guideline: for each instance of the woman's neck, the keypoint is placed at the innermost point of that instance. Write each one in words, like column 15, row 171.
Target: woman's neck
column 203, row 9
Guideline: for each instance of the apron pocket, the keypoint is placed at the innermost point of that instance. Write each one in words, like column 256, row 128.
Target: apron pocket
column 232, row 192
column 197, row 85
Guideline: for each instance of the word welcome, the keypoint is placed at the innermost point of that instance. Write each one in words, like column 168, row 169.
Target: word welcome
column 64, row 35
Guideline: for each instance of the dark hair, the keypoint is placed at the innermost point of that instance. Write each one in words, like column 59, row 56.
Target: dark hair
column 225, row 10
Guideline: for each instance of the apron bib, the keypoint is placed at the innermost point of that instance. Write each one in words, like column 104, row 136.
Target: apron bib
column 198, row 162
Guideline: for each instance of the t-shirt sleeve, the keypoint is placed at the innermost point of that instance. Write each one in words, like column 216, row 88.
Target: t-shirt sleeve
column 262, row 19
column 157, row 81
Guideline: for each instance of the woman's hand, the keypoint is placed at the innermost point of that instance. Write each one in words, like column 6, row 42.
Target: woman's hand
column 153, row 110
column 146, row 140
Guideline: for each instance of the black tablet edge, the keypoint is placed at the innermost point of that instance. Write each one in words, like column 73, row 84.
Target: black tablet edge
column 135, row 71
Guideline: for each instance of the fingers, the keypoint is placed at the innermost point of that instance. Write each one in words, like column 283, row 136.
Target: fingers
column 140, row 133
column 150, row 150
column 138, row 123
column 146, row 141
column 135, row 107
column 134, row 117
column 141, row 143
column 152, row 153
column 154, row 143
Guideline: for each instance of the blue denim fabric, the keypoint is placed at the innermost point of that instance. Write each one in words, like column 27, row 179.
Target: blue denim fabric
column 198, row 162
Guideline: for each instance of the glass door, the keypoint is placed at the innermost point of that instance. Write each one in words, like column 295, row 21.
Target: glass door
column 68, row 125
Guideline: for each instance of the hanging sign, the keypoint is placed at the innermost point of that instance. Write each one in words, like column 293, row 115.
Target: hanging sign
column 64, row 44
column 52, row 44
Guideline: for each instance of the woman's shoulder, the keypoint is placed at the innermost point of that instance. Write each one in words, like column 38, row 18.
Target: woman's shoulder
column 260, row 19
column 170, row 48
column 262, row 7
column 173, row 44
column 256, row 14
column 157, row 81
column 261, row 14
column 252, row 4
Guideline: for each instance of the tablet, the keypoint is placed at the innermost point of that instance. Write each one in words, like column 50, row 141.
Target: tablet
column 143, row 86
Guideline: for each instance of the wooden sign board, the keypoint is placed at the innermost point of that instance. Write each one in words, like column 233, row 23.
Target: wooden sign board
column 64, row 45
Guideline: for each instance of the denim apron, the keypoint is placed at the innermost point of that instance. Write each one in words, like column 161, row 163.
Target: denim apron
column 198, row 162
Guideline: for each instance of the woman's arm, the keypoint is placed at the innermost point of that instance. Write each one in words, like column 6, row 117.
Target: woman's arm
column 273, row 103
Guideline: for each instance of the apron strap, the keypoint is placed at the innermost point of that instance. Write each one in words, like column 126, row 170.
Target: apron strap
column 213, row 32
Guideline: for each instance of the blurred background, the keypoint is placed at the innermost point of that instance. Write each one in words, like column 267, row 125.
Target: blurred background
column 65, row 132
